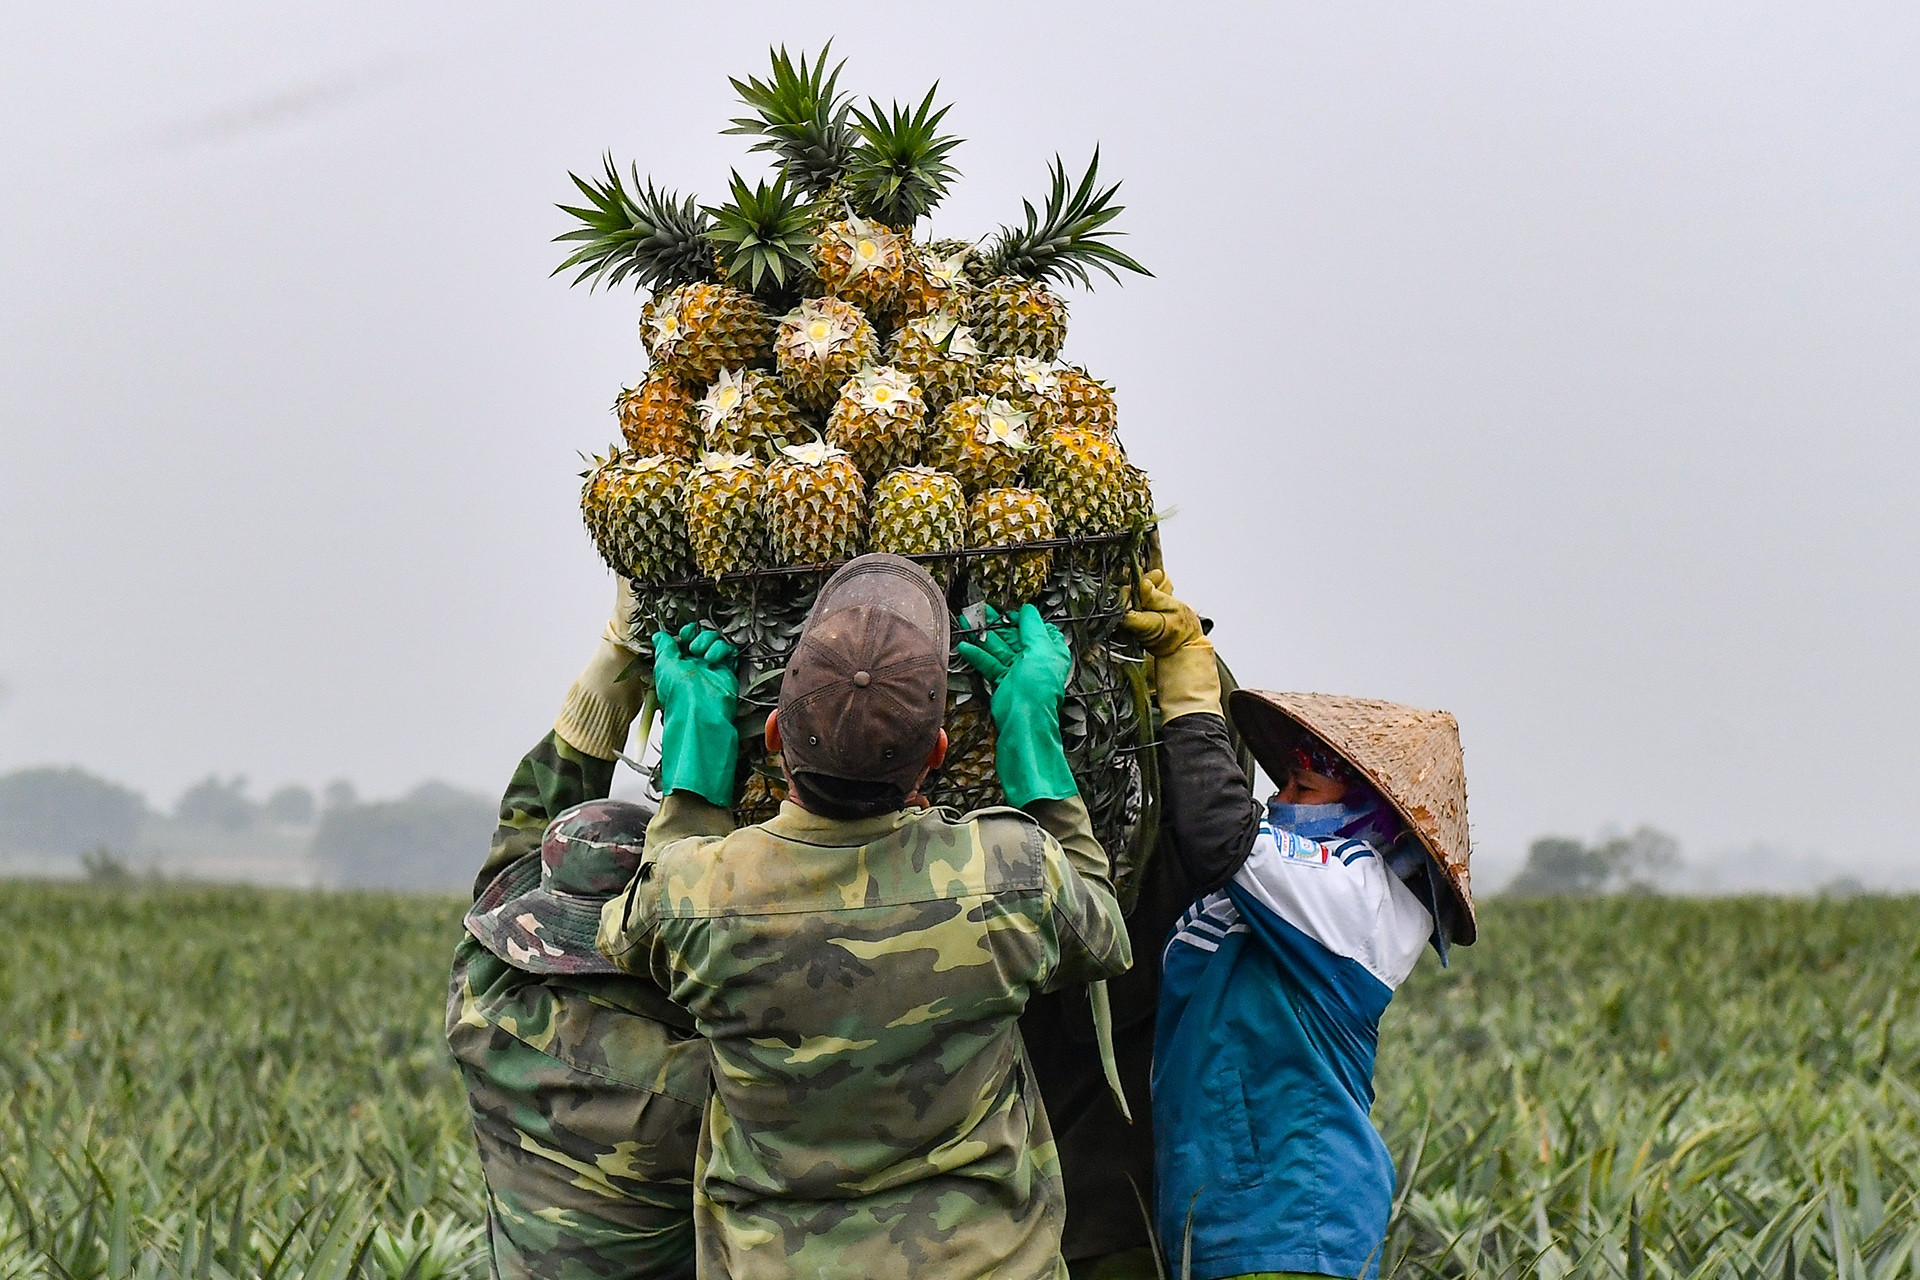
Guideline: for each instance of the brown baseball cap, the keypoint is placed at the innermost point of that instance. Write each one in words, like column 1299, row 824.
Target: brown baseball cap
column 864, row 694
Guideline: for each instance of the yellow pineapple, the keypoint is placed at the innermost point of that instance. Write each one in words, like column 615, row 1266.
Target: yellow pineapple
column 696, row 330
column 822, row 343
column 816, row 505
column 1086, row 401
column 917, row 511
column 879, row 419
column 1007, row 517
column 1030, row 385
column 863, row 263
column 657, row 417
column 1136, row 499
column 747, row 411
column 1083, row 475
column 722, row 502
column 632, row 509
column 1014, row 317
column 936, row 280
column 980, row 442
column 938, row 352
column 968, row 779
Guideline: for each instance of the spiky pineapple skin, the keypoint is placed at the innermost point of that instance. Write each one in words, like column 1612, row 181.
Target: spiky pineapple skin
column 967, row 778
column 657, row 417
column 924, row 294
column 878, row 439
column 765, row 419
column 1013, row 317
column 1086, row 402
column 815, row 382
column 1082, row 474
column 917, row 511
column 719, row 328
column 1136, row 499
column 876, row 290
column 816, row 514
column 955, row 445
column 632, row 510
column 1007, row 517
column 725, row 525
column 943, row 377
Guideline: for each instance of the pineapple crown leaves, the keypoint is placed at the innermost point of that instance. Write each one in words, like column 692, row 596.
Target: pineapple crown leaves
column 1071, row 239
column 900, row 170
column 653, row 236
column 800, row 115
column 765, row 233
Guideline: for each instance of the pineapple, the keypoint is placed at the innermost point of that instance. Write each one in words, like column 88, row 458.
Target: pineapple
column 863, row 263
column 816, row 506
column 765, row 788
column 968, row 779
column 632, row 509
column 1014, row 314
column 917, row 511
column 936, row 280
column 1086, row 401
column 697, row 330
column 1083, row 475
column 1007, row 517
column 981, row 442
column 721, row 499
column 1027, row 384
column 1013, row 317
column 822, row 343
column 657, row 417
column 879, row 419
column 747, row 411
column 939, row 353
column 1136, row 499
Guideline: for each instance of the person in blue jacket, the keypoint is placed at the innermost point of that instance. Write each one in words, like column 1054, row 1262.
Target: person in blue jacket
column 1273, row 985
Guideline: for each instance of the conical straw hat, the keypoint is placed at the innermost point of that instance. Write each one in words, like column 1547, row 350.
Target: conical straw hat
column 1410, row 755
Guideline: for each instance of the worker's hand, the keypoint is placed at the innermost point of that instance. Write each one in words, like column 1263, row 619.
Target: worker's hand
column 601, row 704
column 1159, row 621
column 694, row 676
column 1185, row 674
column 1027, row 665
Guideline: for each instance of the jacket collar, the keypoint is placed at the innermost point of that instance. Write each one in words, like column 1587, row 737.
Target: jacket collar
column 795, row 823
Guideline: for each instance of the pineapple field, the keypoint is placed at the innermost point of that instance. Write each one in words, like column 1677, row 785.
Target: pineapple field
column 824, row 380
column 213, row 1083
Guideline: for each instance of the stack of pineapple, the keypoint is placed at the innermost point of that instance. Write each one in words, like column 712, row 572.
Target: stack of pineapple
column 824, row 383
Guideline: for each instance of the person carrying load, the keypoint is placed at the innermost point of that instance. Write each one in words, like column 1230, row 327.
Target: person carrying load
column 586, row 1083
column 1273, row 985
column 860, row 961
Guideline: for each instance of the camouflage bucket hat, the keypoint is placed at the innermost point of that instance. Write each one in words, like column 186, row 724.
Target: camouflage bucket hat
column 542, row 913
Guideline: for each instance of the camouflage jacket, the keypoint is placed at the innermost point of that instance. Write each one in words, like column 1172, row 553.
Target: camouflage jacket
column 860, row 982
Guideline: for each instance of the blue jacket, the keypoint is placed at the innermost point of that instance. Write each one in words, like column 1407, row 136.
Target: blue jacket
column 1270, row 1003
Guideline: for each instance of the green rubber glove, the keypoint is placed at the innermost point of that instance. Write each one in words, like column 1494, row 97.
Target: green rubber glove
column 694, row 677
column 1027, row 664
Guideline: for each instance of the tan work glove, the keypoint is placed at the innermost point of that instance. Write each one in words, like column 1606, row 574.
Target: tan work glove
column 1185, row 671
column 600, row 706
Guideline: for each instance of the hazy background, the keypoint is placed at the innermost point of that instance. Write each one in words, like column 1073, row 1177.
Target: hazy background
column 1555, row 365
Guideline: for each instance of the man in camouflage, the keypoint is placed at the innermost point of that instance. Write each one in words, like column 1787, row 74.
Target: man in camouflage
column 859, row 962
column 586, row 1084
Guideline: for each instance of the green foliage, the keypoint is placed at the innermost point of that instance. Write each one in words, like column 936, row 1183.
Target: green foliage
column 766, row 235
column 1559, row 865
column 800, row 115
column 66, row 812
column 900, row 170
column 226, row 1083
column 1070, row 238
column 653, row 236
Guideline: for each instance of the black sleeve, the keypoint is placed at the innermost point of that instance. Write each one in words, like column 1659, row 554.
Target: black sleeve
column 1206, row 802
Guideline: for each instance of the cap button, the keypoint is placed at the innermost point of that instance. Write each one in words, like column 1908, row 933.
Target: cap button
column 861, row 679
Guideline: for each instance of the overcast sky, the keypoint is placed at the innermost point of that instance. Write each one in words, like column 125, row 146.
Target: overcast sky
column 1556, row 365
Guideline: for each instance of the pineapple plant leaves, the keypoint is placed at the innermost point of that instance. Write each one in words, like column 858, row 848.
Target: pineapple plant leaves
column 900, row 169
column 1071, row 239
column 800, row 116
column 765, row 235
column 653, row 236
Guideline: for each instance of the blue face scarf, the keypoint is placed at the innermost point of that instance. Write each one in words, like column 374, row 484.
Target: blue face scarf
column 1372, row 820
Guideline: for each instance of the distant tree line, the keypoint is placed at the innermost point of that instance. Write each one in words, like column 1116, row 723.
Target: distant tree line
column 434, row 837
column 1560, row 865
